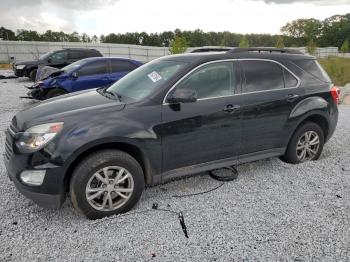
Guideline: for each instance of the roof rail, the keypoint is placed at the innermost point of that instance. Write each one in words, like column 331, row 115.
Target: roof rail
column 264, row 50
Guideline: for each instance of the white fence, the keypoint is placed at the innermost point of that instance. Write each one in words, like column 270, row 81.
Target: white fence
column 18, row 50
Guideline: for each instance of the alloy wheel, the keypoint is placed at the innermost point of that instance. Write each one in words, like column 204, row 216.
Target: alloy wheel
column 109, row 188
column 308, row 146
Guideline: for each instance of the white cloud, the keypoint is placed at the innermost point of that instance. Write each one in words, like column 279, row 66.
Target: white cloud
column 119, row 16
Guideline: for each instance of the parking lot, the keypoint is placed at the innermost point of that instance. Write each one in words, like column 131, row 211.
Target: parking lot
column 273, row 212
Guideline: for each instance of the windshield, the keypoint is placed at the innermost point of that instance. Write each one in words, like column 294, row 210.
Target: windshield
column 143, row 81
column 73, row 66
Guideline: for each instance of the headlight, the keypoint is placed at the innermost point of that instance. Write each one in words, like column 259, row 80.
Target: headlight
column 36, row 137
column 20, row 66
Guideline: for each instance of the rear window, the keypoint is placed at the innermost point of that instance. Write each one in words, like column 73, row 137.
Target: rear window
column 314, row 68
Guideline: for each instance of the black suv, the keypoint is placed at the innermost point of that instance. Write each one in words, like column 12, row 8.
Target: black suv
column 175, row 116
column 58, row 59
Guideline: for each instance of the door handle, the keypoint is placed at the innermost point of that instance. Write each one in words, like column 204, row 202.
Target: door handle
column 292, row 97
column 231, row 108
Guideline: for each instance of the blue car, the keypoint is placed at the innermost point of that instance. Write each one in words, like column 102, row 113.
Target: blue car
column 84, row 74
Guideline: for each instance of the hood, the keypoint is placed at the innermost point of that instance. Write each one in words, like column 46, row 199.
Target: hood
column 59, row 108
column 33, row 62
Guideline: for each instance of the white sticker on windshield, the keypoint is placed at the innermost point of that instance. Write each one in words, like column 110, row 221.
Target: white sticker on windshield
column 154, row 76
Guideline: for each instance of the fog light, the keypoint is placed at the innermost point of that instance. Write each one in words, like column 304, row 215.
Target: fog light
column 32, row 177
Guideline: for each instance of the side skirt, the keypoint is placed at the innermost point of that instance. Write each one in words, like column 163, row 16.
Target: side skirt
column 194, row 169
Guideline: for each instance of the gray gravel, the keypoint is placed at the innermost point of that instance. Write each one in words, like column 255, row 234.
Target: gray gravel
column 272, row 212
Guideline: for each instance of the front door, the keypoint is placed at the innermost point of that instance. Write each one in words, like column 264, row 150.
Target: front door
column 92, row 75
column 208, row 129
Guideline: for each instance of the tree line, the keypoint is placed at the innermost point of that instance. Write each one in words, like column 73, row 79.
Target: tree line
column 332, row 31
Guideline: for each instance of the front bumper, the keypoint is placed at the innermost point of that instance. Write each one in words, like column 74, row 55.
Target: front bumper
column 37, row 93
column 19, row 72
column 51, row 194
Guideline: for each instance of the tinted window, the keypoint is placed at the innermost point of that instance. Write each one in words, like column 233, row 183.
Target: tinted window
column 94, row 68
column 262, row 75
column 289, row 79
column 59, row 57
column 76, row 55
column 314, row 68
column 121, row 66
column 212, row 80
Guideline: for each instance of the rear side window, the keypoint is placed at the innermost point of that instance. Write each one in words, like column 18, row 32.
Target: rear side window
column 76, row 55
column 314, row 68
column 289, row 79
column 262, row 75
column 94, row 68
column 121, row 66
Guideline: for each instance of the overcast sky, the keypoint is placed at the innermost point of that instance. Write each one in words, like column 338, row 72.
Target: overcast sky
column 120, row 16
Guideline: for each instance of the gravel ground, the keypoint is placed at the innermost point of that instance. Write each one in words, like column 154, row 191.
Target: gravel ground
column 272, row 212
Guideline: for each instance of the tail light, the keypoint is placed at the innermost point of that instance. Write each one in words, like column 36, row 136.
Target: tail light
column 335, row 92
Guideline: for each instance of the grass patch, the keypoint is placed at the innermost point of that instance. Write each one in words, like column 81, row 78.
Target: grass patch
column 5, row 66
column 338, row 69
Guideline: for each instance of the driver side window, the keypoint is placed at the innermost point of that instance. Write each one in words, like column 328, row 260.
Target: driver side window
column 212, row 80
column 58, row 57
column 94, row 68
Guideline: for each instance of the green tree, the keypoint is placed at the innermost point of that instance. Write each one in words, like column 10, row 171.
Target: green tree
column 7, row 34
column 311, row 47
column 345, row 47
column 178, row 45
column 303, row 28
column 28, row 35
column 280, row 42
column 244, row 42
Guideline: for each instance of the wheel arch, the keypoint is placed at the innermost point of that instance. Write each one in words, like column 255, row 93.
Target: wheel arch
column 318, row 118
column 128, row 148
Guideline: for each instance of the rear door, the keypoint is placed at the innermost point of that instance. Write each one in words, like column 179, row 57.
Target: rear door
column 269, row 93
column 91, row 75
column 208, row 129
column 120, row 68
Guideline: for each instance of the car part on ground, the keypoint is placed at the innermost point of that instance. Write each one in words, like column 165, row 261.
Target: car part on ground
column 176, row 116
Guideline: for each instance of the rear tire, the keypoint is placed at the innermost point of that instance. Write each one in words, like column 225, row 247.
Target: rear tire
column 54, row 92
column 94, row 189
column 306, row 144
column 32, row 74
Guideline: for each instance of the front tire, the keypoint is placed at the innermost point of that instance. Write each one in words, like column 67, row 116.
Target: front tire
column 306, row 144
column 32, row 74
column 106, row 183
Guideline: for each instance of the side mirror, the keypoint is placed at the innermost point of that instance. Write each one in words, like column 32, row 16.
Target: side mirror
column 74, row 75
column 183, row 96
column 49, row 60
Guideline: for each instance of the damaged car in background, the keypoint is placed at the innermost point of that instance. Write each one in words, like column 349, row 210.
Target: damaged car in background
column 84, row 74
column 57, row 59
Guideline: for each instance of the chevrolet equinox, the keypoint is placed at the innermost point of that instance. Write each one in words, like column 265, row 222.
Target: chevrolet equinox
column 174, row 116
